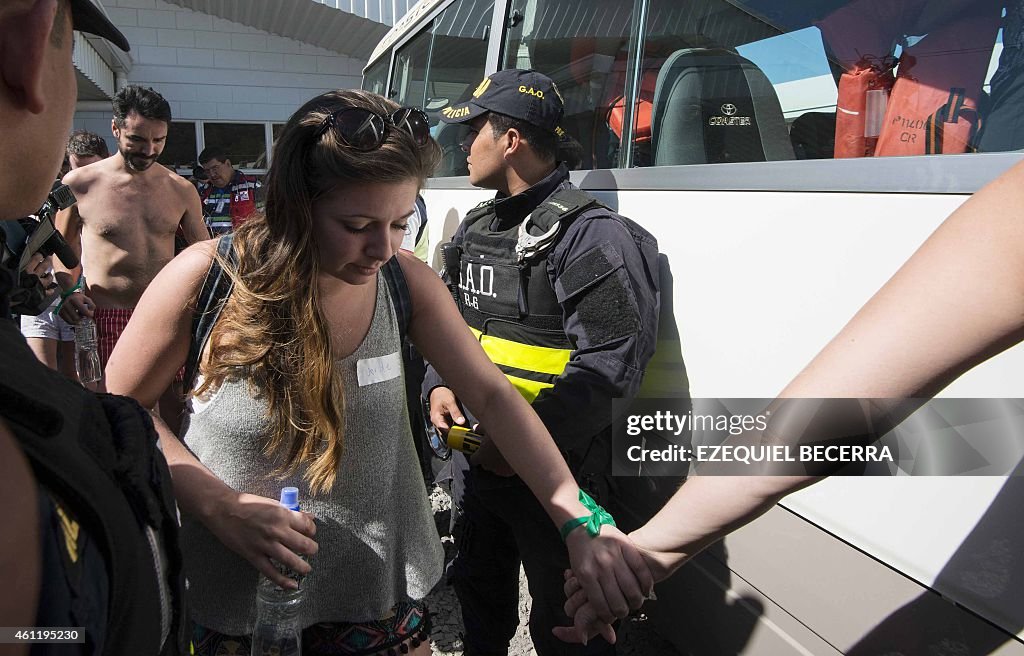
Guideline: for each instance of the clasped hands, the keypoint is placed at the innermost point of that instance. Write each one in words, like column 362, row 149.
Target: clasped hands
column 610, row 576
column 592, row 606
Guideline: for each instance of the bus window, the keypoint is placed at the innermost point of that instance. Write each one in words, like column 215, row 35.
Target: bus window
column 457, row 61
column 700, row 100
column 753, row 80
column 927, row 61
column 376, row 75
column 441, row 66
column 581, row 46
column 409, row 80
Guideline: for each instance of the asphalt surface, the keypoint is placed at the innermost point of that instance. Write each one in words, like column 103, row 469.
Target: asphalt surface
column 635, row 637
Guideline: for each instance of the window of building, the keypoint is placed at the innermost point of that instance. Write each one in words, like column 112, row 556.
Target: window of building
column 245, row 143
column 180, row 150
column 275, row 132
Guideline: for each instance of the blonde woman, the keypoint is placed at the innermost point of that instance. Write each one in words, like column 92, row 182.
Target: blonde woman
column 301, row 385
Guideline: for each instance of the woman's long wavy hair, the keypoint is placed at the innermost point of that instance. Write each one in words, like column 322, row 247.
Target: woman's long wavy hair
column 272, row 326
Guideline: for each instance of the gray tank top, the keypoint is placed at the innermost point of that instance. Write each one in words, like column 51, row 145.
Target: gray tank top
column 378, row 544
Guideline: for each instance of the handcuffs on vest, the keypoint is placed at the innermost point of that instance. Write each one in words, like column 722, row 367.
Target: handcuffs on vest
column 528, row 245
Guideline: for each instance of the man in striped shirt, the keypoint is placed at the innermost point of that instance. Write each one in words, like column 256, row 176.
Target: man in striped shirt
column 229, row 196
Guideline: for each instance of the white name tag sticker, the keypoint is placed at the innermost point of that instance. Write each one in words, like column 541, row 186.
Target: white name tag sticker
column 377, row 370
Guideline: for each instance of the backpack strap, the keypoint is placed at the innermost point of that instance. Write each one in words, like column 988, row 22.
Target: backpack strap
column 216, row 288
column 421, row 212
column 398, row 288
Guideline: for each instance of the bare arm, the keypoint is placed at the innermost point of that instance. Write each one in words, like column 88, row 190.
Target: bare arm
column 442, row 336
column 192, row 222
column 147, row 356
column 75, row 306
column 440, row 333
column 69, row 224
column 958, row 301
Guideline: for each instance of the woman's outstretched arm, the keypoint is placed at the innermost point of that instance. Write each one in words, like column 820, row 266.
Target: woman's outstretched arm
column 956, row 302
column 610, row 567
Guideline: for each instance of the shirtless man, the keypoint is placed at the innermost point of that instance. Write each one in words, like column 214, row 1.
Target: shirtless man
column 125, row 219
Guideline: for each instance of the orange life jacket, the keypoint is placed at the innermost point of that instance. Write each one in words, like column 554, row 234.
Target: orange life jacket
column 931, row 105
column 860, row 108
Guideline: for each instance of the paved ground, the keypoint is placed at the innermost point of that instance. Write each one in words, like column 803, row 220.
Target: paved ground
column 636, row 638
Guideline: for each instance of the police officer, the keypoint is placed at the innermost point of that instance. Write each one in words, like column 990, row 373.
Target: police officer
column 87, row 524
column 563, row 295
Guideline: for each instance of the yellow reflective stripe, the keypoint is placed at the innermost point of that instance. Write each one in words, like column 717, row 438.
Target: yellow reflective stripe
column 528, row 388
column 663, row 385
column 665, row 374
column 541, row 359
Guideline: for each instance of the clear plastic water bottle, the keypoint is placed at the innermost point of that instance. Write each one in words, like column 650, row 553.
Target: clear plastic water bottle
column 87, row 355
column 277, row 629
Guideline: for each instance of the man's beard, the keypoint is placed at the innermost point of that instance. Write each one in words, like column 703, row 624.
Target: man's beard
column 137, row 162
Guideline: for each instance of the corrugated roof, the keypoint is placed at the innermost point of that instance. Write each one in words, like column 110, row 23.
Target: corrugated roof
column 319, row 23
column 95, row 73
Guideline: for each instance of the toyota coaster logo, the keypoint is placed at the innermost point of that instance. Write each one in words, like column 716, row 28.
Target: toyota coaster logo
column 728, row 117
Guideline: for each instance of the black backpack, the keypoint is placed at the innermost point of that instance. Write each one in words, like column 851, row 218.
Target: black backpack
column 97, row 457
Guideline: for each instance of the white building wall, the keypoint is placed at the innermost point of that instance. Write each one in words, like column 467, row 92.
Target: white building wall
column 98, row 122
column 212, row 69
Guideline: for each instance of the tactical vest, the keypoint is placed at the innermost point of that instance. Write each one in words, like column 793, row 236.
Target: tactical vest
column 506, row 297
column 97, row 454
column 505, row 294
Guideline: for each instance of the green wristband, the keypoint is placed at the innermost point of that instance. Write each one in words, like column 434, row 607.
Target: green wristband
column 78, row 286
column 64, row 295
column 598, row 517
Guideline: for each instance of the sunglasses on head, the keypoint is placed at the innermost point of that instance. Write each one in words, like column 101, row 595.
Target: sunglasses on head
column 364, row 130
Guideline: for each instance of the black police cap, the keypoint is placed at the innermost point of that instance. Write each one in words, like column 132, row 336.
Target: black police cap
column 526, row 95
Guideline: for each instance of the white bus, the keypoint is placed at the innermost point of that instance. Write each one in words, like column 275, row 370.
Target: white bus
column 725, row 148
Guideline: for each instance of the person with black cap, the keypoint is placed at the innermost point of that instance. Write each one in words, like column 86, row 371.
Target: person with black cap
column 88, row 519
column 563, row 293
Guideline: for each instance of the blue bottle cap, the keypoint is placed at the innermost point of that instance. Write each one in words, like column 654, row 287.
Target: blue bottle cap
column 290, row 498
